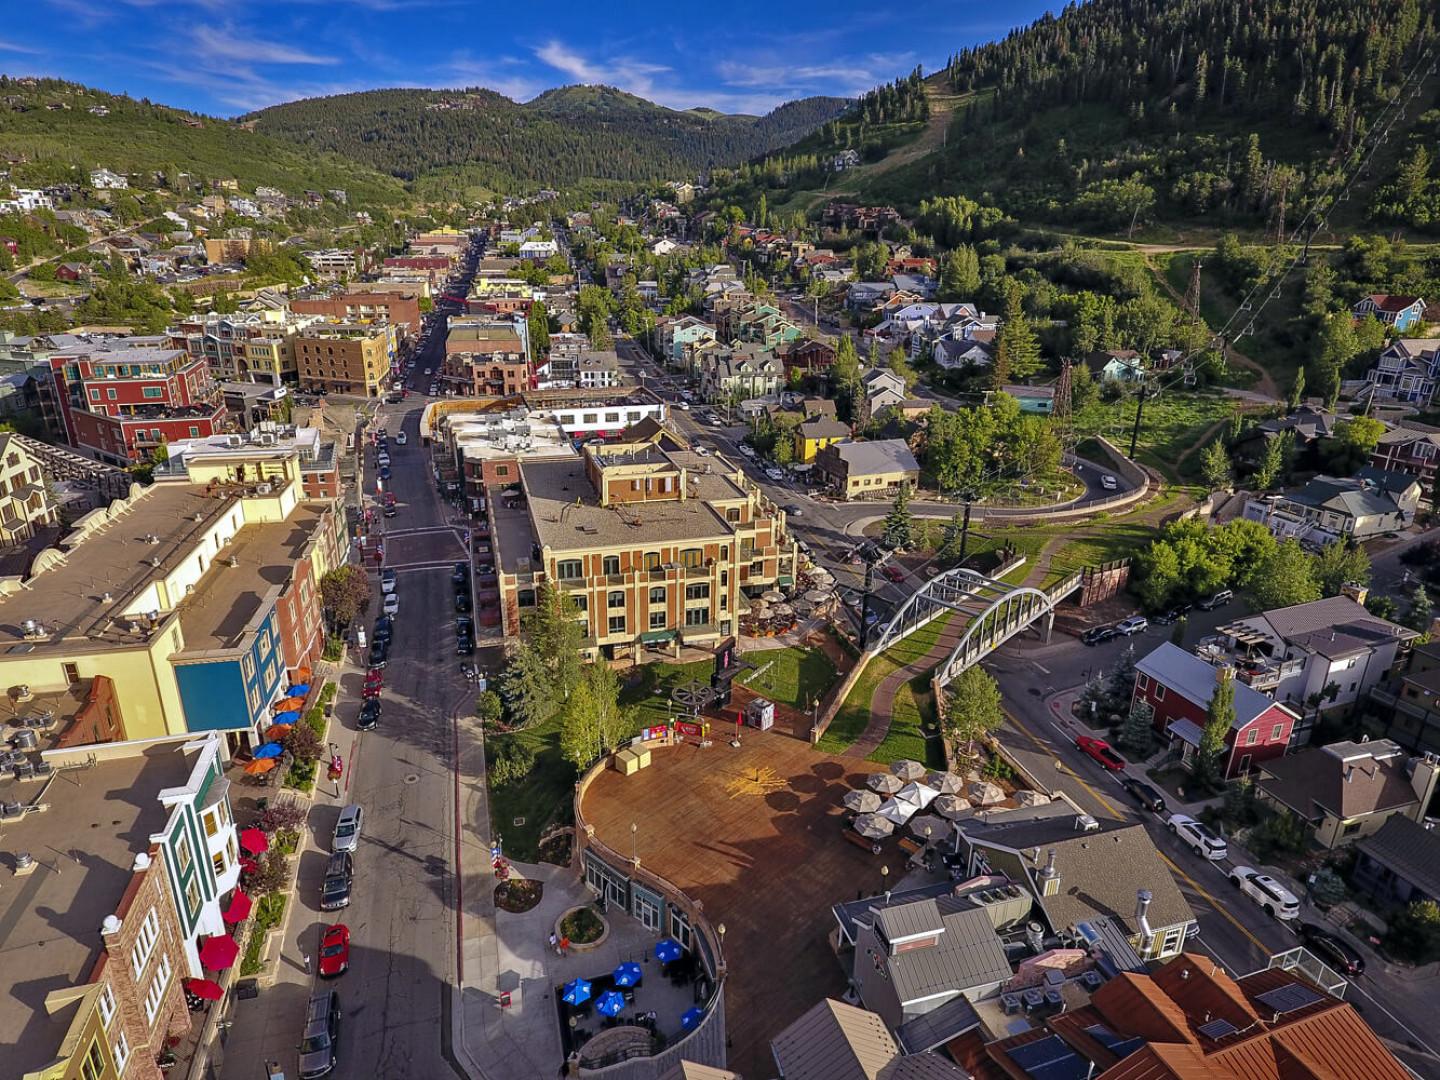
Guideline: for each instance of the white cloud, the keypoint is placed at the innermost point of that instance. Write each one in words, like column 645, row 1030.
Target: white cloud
column 625, row 73
column 464, row 69
column 12, row 47
column 225, row 43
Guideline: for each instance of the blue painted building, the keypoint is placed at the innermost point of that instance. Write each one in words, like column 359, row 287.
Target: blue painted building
column 231, row 689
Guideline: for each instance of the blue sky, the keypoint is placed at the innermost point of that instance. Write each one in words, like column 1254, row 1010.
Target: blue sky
column 229, row 56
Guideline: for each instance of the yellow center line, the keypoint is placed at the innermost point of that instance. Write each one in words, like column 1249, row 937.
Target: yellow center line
column 1210, row 898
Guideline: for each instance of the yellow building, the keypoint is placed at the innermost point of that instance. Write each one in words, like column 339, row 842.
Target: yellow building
column 345, row 358
column 814, row 435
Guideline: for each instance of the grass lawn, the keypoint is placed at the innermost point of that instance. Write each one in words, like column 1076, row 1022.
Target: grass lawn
column 854, row 713
column 913, row 710
column 541, row 797
column 790, row 676
column 1172, row 425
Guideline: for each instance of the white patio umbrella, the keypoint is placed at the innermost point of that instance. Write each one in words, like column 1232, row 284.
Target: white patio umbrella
column 952, row 806
column 946, row 783
column 885, row 783
column 929, row 827
column 1031, row 798
column 818, row 596
column 907, row 769
column 862, row 801
column 917, row 793
column 898, row 811
column 873, row 826
column 984, row 793
column 774, row 596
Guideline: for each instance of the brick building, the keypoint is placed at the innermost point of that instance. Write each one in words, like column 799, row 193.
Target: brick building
column 363, row 306
column 345, row 358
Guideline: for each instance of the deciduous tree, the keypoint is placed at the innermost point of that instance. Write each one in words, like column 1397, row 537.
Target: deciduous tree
column 974, row 707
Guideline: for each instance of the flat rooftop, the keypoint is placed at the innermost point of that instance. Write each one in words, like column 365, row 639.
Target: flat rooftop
column 85, row 844
column 113, row 558
column 228, row 597
column 514, row 538
column 567, row 515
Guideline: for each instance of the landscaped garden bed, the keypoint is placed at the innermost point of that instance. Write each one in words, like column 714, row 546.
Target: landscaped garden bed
column 518, row 895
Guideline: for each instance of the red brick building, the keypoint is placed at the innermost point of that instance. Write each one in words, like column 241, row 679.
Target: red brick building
column 1178, row 686
column 120, row 402
column 364, row 305
column 811, row 357
column 302, row 637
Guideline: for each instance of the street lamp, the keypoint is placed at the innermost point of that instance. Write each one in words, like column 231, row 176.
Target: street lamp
column 885, row 882
column 634, row 843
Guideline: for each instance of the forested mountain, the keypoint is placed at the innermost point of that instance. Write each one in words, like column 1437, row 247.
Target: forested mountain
column 1221, row 112
column 57, row 130
column 563, row 137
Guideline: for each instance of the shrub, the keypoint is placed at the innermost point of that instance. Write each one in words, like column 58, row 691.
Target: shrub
column 1415, row 933
column 301, row 776
column 281, row 816
column 489, row 708
column 303, row 743
column 1283, row 833
column 510, row 760
column 315, row 721
column 270, row 876
column 1326, row 888
column 582, row 926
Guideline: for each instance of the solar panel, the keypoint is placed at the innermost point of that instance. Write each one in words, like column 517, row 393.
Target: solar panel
column 1288, row 998
column 1049, row 1059
column 1217, row 1029
column 1119, row 1045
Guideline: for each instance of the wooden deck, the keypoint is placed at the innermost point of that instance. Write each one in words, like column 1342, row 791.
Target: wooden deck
column 754, row 834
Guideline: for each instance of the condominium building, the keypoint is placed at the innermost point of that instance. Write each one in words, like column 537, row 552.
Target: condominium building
column 26, row 504
column 251, row 347
column 96, row 951
column 193, row 596
column 657, row 545
column 260, row 455
column 488, row 358
column 395, row 304
column 345, row 358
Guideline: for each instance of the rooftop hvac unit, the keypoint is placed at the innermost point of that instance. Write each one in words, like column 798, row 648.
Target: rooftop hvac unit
column 264, row 489
column 235, row 440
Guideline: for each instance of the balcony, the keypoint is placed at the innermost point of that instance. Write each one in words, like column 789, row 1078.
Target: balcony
column 1261, row 673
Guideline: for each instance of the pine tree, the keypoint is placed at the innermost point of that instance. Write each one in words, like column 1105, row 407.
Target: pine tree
column 1220, row 717
column 1017, row 351
column 899, row 527
column 1135, row 734
column 1215, row 466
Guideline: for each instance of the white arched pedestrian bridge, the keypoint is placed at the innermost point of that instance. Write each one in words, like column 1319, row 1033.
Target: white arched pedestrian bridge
column 995, row 611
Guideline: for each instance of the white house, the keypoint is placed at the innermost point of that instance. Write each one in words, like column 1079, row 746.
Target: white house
column 539, row 249
column 24, row 200
column 105, row 180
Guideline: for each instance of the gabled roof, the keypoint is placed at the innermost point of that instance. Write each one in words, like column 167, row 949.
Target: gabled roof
column 966, row 954
column 1343, row 786
column 1332, row 616
column 834, row 1041
column 824, row 428
column 879, row 456
column 1409, row 849
column 1392, row 304
column 1194, row 679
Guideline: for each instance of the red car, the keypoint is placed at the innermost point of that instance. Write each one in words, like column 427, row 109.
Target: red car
column 1100, row 750
column 335, row 951
column 894, row 573
column 374, row 683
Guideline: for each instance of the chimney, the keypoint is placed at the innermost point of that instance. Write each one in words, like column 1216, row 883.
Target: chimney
column 1349, row 773
column 1355, row 591
column 1049, row 877
column 1142, row 907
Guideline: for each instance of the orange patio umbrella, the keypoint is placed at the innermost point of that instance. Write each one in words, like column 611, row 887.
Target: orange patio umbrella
column 276, row 732
column 302, row 675
column 260, row 765
column 289, row 703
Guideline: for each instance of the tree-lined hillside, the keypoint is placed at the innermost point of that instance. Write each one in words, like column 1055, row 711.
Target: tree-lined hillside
column 563, row 137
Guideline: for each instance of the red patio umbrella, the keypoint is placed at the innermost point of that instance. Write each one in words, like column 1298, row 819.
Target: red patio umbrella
column 238, row 910
column 218, row 952
column 254, row 841
column 248, row 866
column 204, row 988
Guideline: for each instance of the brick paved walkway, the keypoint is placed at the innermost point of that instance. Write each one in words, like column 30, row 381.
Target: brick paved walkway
column 882, row 702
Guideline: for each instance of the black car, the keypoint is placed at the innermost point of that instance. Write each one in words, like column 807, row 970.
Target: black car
column 462, row 600
column 384, row 473
column 369, row 715
column 464, row 636
column 339, row 877
column 1096, row 634
column 1175, row 614
column 380, row 653
column 1334, row 950
column 384, row 629
column 461, row 574
column 1144, row 794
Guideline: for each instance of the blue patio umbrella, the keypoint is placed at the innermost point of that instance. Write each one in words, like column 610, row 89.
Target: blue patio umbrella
column 628, row 974
column 289, row 716
column 692, row 1017
column 577, row 992
column 668, row 950
column 298, row 691
column 270, row 749
column 610, row 1003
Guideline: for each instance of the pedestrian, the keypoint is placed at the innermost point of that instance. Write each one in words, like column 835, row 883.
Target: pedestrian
column 554, row 943
column 305, row 958
column 564, row 945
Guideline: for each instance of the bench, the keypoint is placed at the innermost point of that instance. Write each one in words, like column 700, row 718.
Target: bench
column 873, row 847
column 909, row 846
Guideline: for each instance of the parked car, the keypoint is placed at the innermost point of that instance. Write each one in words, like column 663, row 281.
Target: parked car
column 384, row 629
column 746, row 450
column 369, row 715
column 347, row 828
column 1096, row 634
column 1101, row 752
column 460, row 574
column 391, row 604
column 774, row 474
column 795, row 510
column 1333, row 949
column 339, row 881
column 374, row 683
column 1198, row 836
column 462, row 600
column 1277, row 901
column 382, row 459
column 1144, row 794
column 1220, row 599
column 1135, row 624
column 383, row 474
column 321, row 1034
column 893, row 573
column 387, row 580
column 335, row 951
column 1175, row 614
column 683, row 406
column 379, row 652
column 400, row 438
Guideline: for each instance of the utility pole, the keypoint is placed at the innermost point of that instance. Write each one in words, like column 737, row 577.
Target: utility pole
column 1139, row 413
column 965, row 525
column 865, row 604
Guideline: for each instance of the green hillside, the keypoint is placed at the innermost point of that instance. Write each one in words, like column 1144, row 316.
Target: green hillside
column 1119, row 116
column 564, row 137
column 49, row 124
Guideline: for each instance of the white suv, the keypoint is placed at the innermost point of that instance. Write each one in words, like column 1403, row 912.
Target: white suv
column 1278, row 901
column 1198, row 836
